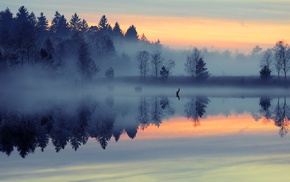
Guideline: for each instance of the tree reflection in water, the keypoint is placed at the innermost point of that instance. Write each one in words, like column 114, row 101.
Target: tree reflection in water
column 280, row 114
column 196, row 108
column 74, row 125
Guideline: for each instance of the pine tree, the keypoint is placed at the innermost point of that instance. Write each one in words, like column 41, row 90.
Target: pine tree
column 86, row 65
column 201, row 71
column 75, row 23
column 42, row 25
column 131, row 33
column 265, row 73
column 117, row 30
column 103, row 24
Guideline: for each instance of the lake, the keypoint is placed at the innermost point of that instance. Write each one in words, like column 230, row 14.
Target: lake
column 61, row 135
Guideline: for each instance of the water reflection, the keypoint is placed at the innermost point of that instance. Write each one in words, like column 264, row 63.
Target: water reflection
column 280, row 113
column 74, row 124
column 196, row 108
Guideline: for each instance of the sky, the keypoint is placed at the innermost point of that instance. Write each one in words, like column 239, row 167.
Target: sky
column 221, row 24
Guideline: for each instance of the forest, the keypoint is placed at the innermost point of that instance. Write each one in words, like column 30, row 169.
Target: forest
column 71, row 49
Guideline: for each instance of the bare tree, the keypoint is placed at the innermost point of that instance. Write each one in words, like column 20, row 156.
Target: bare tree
column 267, row 58
column 195, row 65
column 156, row 63
column 282, row 58
column 191, row 62
column 166, row 69
column 143, row 59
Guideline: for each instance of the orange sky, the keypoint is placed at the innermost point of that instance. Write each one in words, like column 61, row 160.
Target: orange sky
column 235, row 25
column 185, row 32
column 180, row 127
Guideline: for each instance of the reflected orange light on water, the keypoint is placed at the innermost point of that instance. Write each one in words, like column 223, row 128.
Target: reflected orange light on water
column 180, row 127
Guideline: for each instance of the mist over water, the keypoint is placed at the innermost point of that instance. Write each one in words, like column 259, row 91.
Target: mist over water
column 105, row 104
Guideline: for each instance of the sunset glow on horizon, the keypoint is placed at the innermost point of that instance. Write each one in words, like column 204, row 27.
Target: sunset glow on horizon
column 219, row 34
column 237, row 25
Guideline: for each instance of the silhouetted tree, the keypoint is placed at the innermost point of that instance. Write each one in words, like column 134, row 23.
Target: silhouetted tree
column 42, row 25
column 59, row 25
column 103, row 24
column 8, row 40
column 84, row 27
column 143, row 63
column 191, row 62
column 25, row 34
column 265, row 73
column 164, row 73
column 282, row 58
column 6, row 23
column 131, row 34
column 117, row 31
column 201, row 70
column 75, row 23
column 86, row 65
column 166, row 70
column 144, row 39
column 156, row 63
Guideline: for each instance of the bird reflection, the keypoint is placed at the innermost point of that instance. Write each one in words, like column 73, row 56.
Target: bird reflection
column 177, row 93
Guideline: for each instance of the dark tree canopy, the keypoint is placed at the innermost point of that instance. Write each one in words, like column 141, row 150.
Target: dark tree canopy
column 75, row 23
column 265, row 73
column 201, row 70
column 195, row 65
column 59, row 25
column 103, row 24
column 42, row 24
column 86, row 65
column 117, row 30
column 131, row 33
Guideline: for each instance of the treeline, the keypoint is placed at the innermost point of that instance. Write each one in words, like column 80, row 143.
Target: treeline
column 27, row 131
column 275, row 59
column 65, row 46
column 78, row 51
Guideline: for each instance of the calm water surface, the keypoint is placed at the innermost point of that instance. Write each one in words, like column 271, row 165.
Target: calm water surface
column 108, row 137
